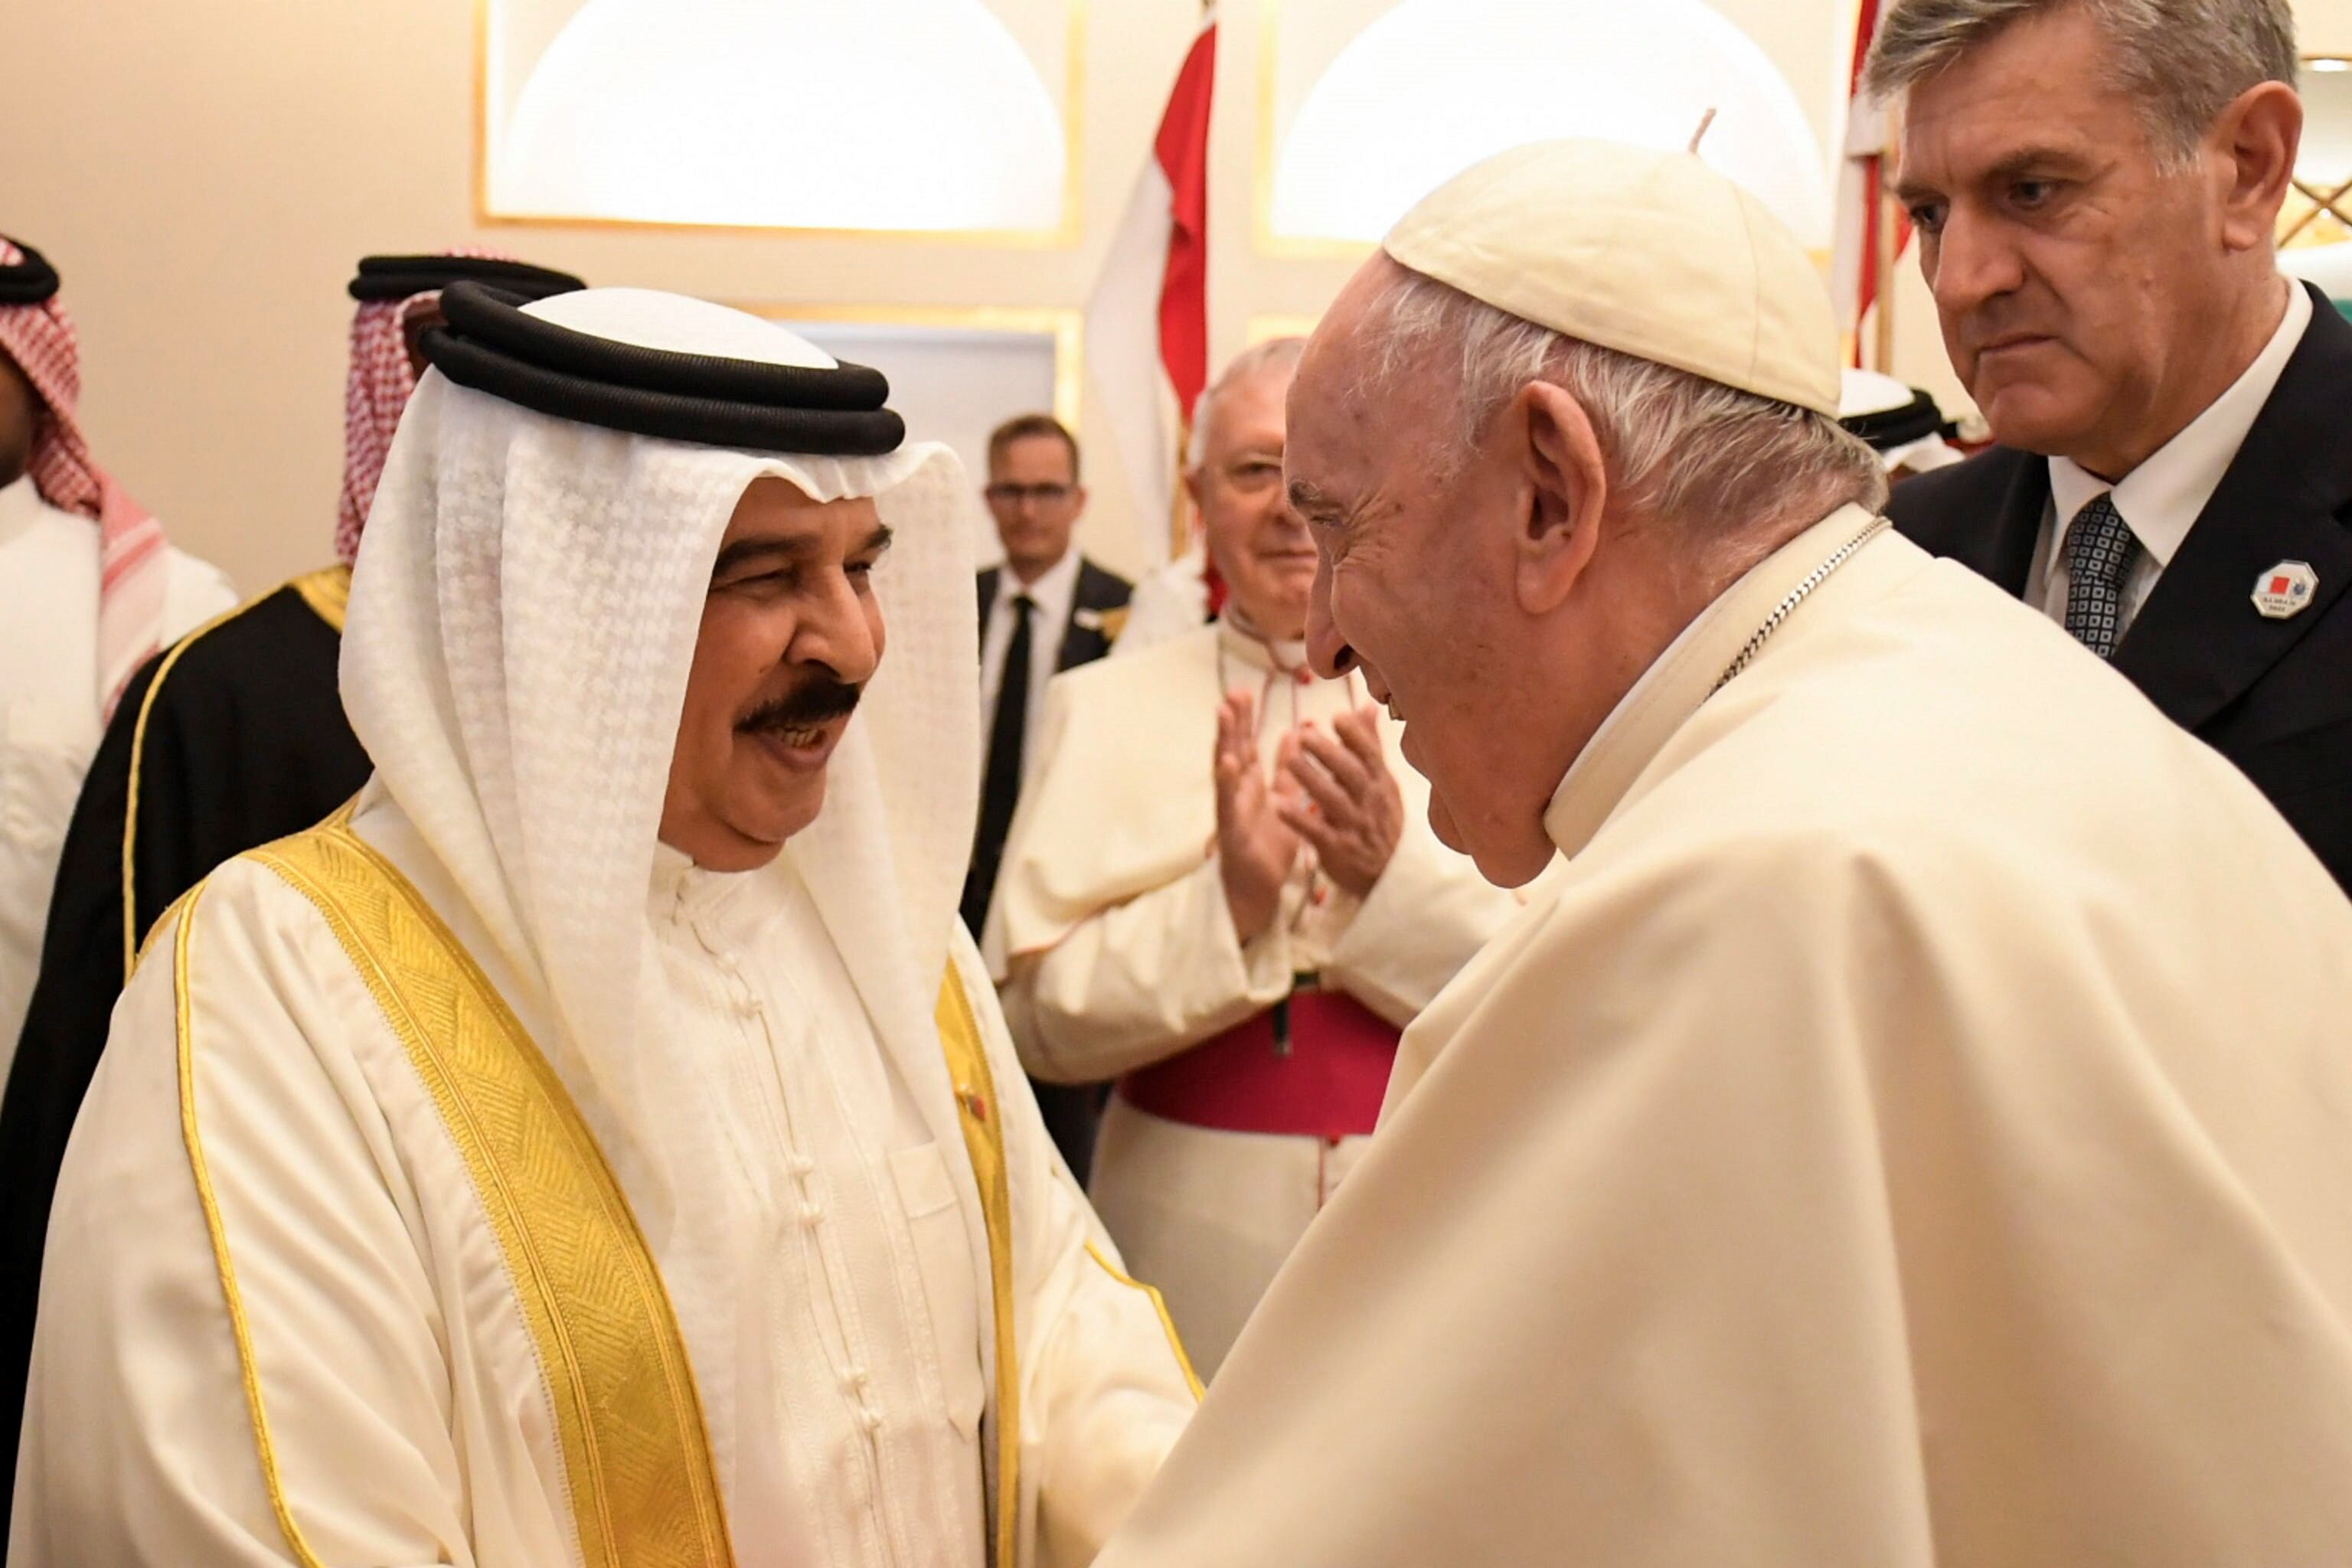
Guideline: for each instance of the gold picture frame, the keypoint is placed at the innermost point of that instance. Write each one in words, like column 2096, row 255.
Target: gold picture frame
column 2323, row 214
column 1280, row 246
column 1065, row 236
column 1067, row 325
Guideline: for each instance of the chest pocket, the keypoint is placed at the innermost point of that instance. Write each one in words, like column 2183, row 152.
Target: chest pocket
column 943, row 1257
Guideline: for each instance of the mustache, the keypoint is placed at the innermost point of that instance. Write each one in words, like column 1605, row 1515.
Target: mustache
column 812, row 703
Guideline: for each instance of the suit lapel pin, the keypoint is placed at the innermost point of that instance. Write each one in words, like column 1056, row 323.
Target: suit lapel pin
column 1086, row 620
column 2286, row 589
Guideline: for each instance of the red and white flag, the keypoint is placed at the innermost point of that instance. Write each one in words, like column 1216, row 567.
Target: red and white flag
column 1148, row 319
column 1860, row 211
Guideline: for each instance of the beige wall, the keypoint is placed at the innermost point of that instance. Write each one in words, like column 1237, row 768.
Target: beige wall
column 204, row 175
column 206, row 199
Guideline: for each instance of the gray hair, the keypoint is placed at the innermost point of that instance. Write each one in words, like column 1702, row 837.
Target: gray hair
column 1274, row 353
column 2185, row 60
column 1679, row 447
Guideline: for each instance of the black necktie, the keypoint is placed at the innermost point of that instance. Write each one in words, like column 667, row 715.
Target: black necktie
column 2100, row 552
column 1000, row 785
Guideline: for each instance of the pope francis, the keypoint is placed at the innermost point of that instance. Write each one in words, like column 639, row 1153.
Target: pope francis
column 598, row 1144
column 1915, row 1125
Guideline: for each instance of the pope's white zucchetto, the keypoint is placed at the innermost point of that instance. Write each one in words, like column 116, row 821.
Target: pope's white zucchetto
column 1650, row 253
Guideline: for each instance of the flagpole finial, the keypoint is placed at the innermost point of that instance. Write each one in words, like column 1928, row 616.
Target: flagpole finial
column 1700, row 134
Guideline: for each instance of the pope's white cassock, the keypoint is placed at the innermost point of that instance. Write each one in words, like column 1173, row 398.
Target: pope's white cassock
column 1119, row 960
column 763, row 1244
column 1914, row 1127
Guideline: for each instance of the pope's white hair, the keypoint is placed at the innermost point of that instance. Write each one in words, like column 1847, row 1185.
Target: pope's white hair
column 1678, row 448
column 1274, row 353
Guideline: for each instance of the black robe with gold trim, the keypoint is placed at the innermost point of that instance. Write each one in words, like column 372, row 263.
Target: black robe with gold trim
column 232, row 738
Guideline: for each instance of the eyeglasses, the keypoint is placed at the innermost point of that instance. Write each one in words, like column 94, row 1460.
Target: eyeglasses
column 1044, row 495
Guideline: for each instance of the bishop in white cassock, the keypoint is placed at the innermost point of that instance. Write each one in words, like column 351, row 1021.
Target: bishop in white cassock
column 599, row 1144
column 1914, row 1127
column 1221, row 891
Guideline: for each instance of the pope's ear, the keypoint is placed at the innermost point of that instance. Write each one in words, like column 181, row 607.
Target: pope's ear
column 1565, row 487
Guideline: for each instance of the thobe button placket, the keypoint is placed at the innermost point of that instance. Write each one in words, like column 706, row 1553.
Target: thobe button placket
column 855, row 1384
column 812, row 1214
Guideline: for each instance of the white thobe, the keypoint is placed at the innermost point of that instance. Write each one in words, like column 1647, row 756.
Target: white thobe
column 1117, row 948
column 1913, row 1132
column 806, row 1221
column 49, row 718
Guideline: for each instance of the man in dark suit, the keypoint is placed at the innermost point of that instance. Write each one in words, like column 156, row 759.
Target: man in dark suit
column 2096, row 199
column 1045, row 596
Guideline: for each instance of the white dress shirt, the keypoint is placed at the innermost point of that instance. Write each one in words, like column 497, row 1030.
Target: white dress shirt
column 2162, row 499
column 49, row 723
column 1053, row 594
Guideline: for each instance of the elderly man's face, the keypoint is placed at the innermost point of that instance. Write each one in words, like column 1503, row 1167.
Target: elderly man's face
column 1256, row 539
column 1415, row 587
column 2078, row 283
column 791, row 634
column 20, row 421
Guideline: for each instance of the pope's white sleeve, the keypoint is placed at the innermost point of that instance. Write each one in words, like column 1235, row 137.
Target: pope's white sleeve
column 141, row 1440
column 1143, row 980
column 1426, row 917
column 1104, row 1387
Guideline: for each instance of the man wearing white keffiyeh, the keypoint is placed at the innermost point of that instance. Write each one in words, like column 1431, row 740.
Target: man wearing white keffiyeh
column 600, row 1144
column 89, row 588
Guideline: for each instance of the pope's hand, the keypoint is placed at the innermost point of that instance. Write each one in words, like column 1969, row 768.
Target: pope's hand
column 1348, row 807
column 1256, row 845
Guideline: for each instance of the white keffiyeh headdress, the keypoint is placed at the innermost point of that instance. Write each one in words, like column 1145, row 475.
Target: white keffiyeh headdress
column 523, row 618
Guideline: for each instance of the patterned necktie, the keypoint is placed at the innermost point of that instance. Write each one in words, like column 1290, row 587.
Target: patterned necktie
column 2100, row 551
column 1000, row 784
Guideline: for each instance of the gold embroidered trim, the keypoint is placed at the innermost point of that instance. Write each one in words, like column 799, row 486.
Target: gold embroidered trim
column 1160, row 1305
column 238, row 1326
column 982, row 1120
column 636, row 1453
column 327, row 592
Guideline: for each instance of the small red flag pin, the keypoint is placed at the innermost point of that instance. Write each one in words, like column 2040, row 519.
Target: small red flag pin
column 2286, row 589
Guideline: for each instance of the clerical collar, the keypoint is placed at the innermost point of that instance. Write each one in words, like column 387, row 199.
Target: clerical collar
column 1246, row 641
column 1690, row 670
